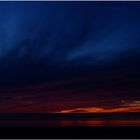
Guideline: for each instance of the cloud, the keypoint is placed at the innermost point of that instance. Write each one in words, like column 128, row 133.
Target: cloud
column 68, row 96
column 134, row 108
column 73, row 52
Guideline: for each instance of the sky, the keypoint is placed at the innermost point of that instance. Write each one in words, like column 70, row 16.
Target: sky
column 69, row 56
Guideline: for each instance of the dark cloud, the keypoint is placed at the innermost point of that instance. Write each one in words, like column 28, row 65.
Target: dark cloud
column 59, row 42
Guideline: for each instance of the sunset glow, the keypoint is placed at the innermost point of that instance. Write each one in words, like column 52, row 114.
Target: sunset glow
column 101, row 110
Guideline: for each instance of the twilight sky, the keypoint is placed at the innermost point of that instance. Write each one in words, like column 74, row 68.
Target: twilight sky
column 69, row 56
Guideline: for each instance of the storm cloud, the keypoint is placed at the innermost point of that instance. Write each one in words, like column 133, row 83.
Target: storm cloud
column 96, row 43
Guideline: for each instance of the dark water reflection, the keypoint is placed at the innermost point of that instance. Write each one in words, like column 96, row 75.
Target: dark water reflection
column 73, row 123
column 69, row 120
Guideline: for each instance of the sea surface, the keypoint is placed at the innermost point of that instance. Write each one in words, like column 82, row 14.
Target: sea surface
column 69, row 120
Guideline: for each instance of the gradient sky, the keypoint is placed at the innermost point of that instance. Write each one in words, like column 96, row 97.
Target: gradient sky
column 69, row 56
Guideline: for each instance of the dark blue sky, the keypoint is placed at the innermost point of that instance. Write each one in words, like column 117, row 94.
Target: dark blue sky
column 48, row 38
column 57, row 41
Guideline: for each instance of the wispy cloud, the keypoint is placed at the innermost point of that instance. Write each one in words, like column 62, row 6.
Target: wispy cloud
column 133, row 106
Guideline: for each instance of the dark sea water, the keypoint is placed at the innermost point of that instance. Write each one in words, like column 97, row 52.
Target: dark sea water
column 48, row 125
column 69, row 120
column 73, row 123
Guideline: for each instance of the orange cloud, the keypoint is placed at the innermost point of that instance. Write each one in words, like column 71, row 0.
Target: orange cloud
column 85, row 110
column 102, row 110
